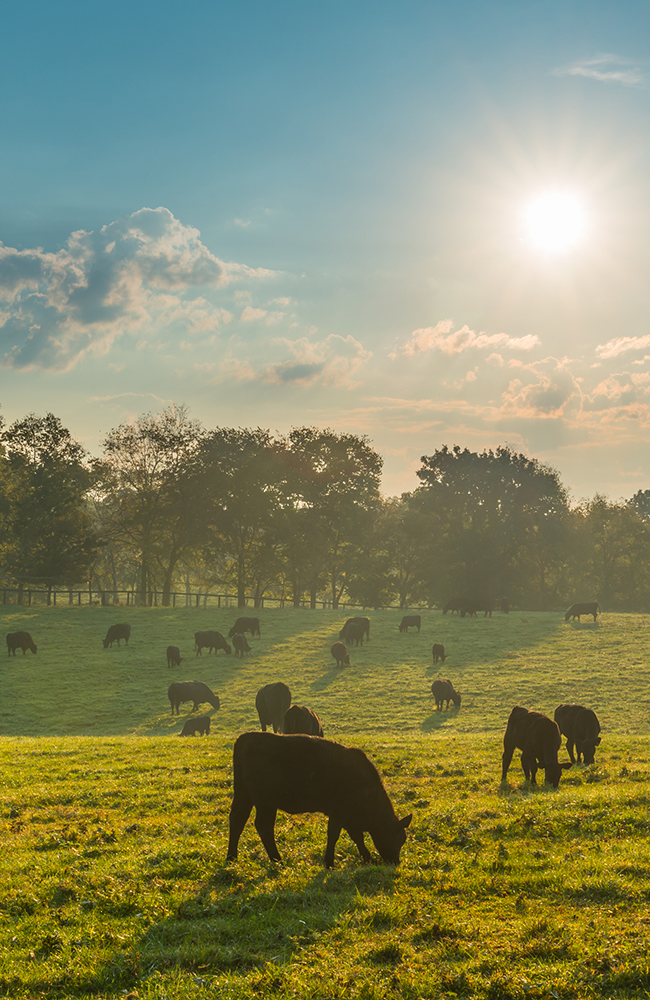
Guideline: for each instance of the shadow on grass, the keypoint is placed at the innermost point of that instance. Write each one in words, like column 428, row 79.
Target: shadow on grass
column 438, row 719
column 324, row 681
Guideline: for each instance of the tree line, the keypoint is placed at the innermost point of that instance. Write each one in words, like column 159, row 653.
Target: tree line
column 174, row 506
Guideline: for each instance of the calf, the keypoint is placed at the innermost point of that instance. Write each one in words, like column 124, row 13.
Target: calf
column 272, row 702
column 301, row 774
column 195, row 691
column 590, row 608
column 539, row 740
column 340, row 653
column 410, row 621
column 438, row 652
column 200, row 724
column 117, row 632
column 242, row 625
column 211, row 640
column 240, row 642
column 359, row 621
column 173, row 656
column 20, row 640
column 581, row 727
column 444, row 691
column 300, row 719
column 353, row 632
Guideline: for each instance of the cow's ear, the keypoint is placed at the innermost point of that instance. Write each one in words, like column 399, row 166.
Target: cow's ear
column 406, row 821
column 597, row 741
column 565, row 767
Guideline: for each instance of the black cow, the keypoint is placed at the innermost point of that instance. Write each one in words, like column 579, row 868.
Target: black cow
column 271, row 702
column 300, row 719
column 455, row 604
column 353, row 632
column 539, row 740
column 200, row 725
column 117, row 632
column 589, row 608
column 173, row 656
column 472, row 607
column 581, row 727
column 444, row 691
column 303, row 774
column 240, row 642
column 211, row 640
column 340, row 653
column 410, row 621
column 195, row 691
column 20, row 640
column 504, row 605
column 438, row 651
column 359, row 621
column 242, row 625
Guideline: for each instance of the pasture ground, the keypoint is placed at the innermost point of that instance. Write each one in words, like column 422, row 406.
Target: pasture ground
column 114, row 831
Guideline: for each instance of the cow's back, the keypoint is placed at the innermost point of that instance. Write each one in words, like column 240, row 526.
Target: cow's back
column 300, row 719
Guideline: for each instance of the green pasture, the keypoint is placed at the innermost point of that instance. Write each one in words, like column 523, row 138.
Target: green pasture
column 114, row 831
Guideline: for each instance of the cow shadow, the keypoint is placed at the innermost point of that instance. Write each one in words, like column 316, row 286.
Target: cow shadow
column 438, row 719
column 325, row 680
column 584, row 626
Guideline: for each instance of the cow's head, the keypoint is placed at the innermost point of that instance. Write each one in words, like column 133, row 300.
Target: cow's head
column 456, row 699
column 588, row 748
column 567, row 616
column 553, row 772
column 390, row 838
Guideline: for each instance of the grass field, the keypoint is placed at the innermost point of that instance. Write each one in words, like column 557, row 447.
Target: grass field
column 114, row 832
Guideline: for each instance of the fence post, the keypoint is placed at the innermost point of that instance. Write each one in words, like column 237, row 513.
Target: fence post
column 29, row 598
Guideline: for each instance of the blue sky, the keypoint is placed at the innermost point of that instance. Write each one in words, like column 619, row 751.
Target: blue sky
column 313, row 214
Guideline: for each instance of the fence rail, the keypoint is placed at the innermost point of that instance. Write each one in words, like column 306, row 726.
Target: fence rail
column 132, row 598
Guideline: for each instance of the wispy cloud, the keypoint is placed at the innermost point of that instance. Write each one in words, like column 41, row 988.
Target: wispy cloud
column 621, row 345
column 335, row 361
column 606, row 68
column 441, row 338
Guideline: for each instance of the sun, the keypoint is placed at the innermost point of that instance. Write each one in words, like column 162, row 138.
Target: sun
column 555, row 221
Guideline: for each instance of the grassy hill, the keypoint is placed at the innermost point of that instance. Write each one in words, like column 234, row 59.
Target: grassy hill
column 114, row 832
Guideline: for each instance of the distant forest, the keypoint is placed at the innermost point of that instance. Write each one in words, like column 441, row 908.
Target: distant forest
column 174, row 506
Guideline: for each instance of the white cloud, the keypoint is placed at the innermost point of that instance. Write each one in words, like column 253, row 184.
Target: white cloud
column 250, row 314
column 606, row 68
column 440, row 338
column 620, row 345
column 134, row 274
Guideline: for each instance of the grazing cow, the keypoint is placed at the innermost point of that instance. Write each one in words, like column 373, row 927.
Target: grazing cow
column 240, row 642
column 300, row 719
column 200, row 725
column 195, row 691
column 455, row 604
column 211, row 640
column 539, row 740
column 242, row 625
column 438, row 651
column 353, row 632
column 340, row 653
column 590, row 608
column 173, row 656
column 471, row 607
column 581, row 727
column 272, row 702
column 117, row 632
column 359, row 621
column 444, row 691
column 410, row 621
column 19, row 640
column 301, row 774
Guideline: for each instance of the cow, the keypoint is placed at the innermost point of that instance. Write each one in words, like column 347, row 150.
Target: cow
column 300, row 719
column 581, row 727
column 117, row 632
column 444, row 691
column 539, row 740
column 173, row 656
column 504, row 604
column 590, row 608
column 410, row 621
column 455, row 604
column 195, row 691
column 353, row 632
column 242, row 625
column 359, row 621
column 20, row 640
column 438, row 651
column 211, row 640
column 340, row 653
column 240, row 642
column 471, row 607
column 304, row 774
column 271, row 702
column 200, row 725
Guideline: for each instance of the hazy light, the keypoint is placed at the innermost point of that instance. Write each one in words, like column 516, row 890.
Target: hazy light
column 555, row 221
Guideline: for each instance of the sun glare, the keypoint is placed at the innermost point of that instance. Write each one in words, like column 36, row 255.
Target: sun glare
column 555, row 222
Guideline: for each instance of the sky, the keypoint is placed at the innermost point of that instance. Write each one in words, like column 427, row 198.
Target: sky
column 425, row 222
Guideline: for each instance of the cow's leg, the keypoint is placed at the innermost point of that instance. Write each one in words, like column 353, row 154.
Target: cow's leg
column 529, row 766
column 569, row 746
column 506, row 759
column 356, row 835
column 334, row 828
column 240, row 810
column 265, row 826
